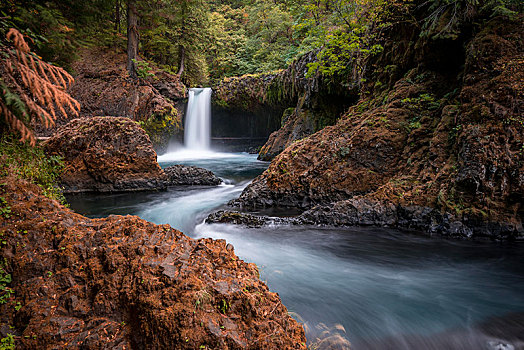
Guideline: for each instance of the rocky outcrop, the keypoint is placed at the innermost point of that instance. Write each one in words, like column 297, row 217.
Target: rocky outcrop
column 103, row 87
column 180, row 175
column 124, row 283
column 431, row 141
column 245, row 219
column 365, row 212
column 305, row 104
column 106, row 154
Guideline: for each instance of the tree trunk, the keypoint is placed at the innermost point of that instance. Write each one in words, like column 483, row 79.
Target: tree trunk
column 182, row 58
column 132, row 38
column 117, row 16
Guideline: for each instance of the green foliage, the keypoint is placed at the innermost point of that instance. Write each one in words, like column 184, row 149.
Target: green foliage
column 223, row 38
column 57, row 42
column 5, row 208
column 347, row 33
column 31, row 164
column 143, row 70
column 447, row 16
column 422, row 102
column 6, row 292
column 224, row 306
column 422, row 105
column 453, row 134
column 14, row 103
column 7, row 343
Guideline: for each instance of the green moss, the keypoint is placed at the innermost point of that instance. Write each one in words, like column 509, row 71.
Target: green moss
column 287, row 113
column 31, row 164
column 160, row 127
column 7, row 343
column 5, row 279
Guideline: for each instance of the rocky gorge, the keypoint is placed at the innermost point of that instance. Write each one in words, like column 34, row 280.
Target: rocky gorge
column 438, row 147
column 333, row 233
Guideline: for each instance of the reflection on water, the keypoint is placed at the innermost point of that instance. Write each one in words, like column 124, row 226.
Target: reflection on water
column 387, row 289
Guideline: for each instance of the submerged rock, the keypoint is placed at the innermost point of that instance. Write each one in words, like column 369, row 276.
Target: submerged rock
column 179, row 175
column 106, row 154
column 125, row 283
column 237, row 218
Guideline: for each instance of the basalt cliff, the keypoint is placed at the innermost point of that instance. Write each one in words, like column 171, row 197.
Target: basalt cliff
column 434, row 142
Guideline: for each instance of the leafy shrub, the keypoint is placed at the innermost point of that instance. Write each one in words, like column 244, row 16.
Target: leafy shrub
column 143, row 70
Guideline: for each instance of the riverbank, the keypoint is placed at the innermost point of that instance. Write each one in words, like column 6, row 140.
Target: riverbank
column 368, row 286
column 124, row 282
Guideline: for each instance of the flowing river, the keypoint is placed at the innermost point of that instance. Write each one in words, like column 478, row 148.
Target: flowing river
column 378, row 288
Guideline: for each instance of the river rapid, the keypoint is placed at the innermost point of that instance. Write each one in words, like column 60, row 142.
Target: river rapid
column 378, row 288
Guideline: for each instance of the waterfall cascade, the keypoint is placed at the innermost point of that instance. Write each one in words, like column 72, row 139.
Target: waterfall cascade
column 197, row 131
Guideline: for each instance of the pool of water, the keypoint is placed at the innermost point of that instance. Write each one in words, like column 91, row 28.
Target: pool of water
column 386, row 288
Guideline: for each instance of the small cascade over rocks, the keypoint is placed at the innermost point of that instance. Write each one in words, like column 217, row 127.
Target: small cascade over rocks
column 197, row 134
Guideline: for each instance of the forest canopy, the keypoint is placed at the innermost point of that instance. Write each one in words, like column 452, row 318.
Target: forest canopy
column 207, row 40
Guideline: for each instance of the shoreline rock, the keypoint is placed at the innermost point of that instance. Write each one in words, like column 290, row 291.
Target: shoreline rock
column 106, row 154
column 122, row 282
column 363, row 212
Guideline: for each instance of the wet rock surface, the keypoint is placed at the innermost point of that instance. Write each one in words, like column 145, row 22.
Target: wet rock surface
column 106, row 154
column 441, row 149
column 363, row 212
column 302, row 104
column 124, row 283
column 245, row 219
column 181, row 175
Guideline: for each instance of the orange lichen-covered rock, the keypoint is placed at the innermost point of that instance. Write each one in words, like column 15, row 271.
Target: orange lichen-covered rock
column 106, row 154
column 124, row 283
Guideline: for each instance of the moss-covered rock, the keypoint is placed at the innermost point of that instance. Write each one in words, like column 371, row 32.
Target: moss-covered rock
column 444, row 137
column 314, row 102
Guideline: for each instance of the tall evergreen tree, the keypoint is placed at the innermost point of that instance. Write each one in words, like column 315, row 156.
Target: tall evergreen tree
column 132, row 38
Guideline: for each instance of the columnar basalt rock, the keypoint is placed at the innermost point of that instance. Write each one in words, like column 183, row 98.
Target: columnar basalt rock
column 305, row 104
column 445, row 138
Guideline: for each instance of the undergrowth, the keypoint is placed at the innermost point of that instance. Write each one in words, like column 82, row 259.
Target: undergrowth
column 31, row 164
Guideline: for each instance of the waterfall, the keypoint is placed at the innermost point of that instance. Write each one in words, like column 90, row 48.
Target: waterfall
column 197, row 133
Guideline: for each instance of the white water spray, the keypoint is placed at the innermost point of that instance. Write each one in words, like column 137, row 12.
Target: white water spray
column 197, row 133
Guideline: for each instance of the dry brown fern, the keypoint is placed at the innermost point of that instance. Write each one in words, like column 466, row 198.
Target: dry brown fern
column 39, row 85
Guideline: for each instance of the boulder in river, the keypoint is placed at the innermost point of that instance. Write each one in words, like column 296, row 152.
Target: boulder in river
column 179, row 175
column 106, row 154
